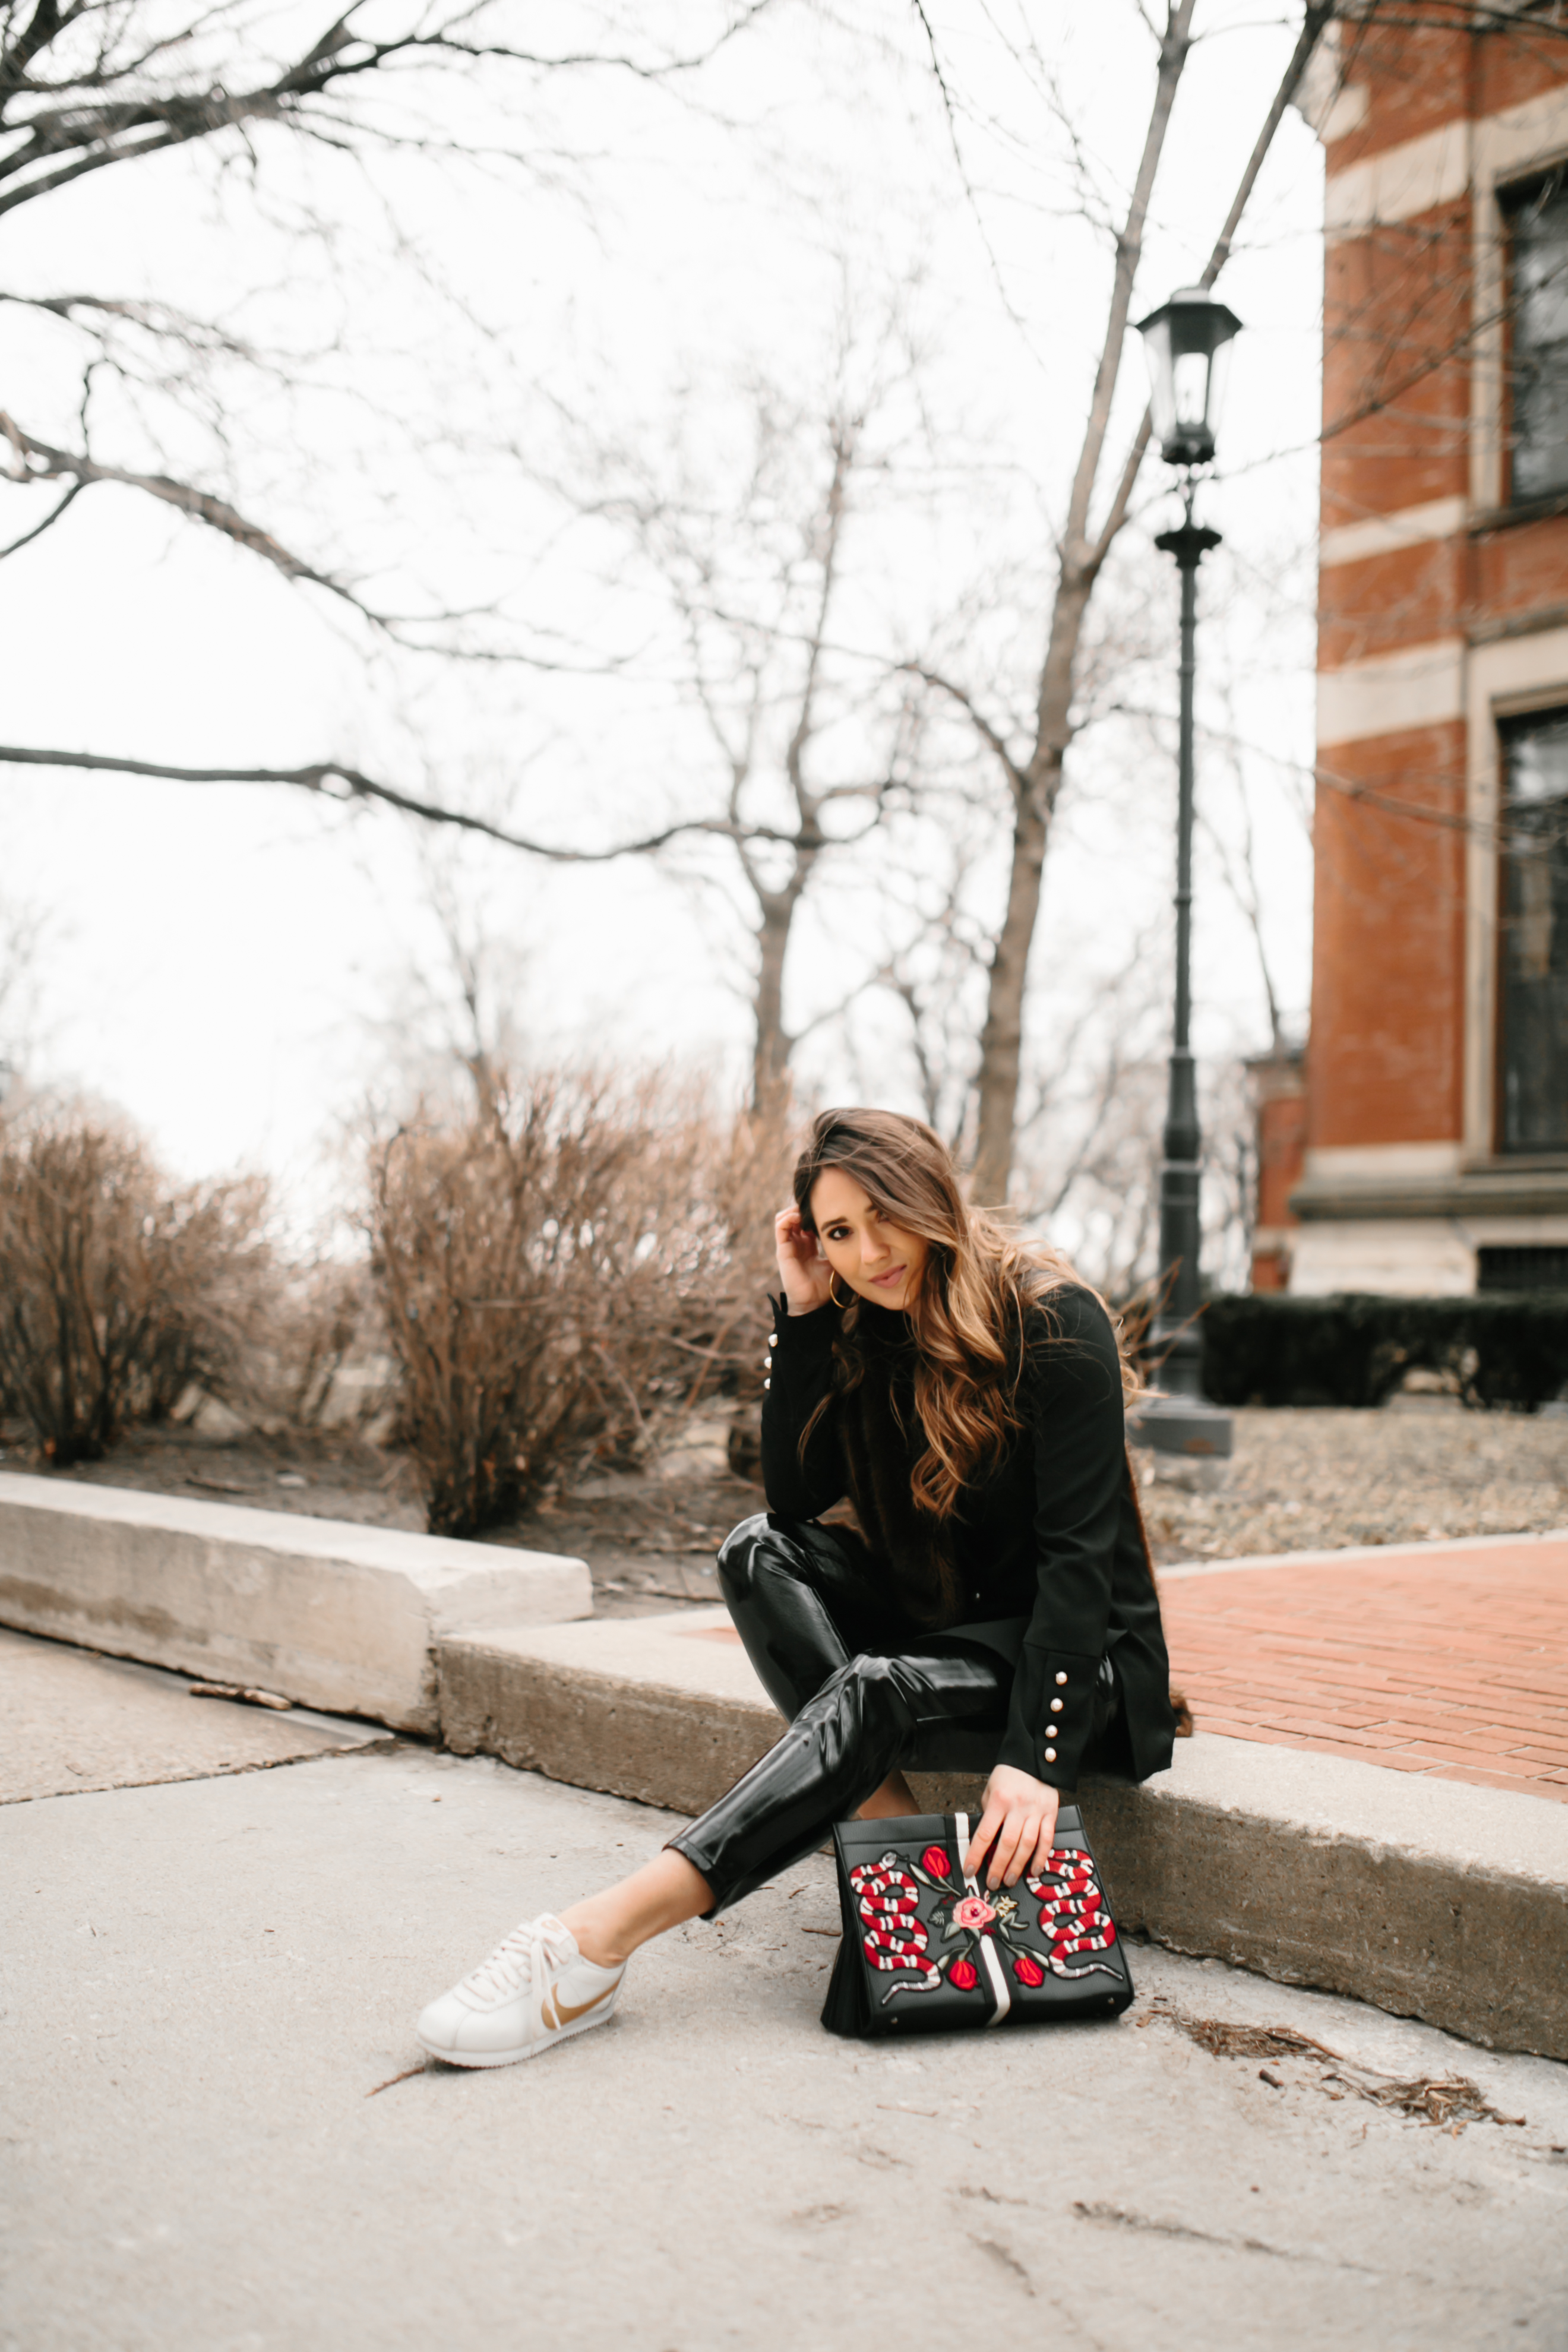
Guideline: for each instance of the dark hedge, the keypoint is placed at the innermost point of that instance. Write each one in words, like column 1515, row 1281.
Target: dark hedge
column 1505, row 1350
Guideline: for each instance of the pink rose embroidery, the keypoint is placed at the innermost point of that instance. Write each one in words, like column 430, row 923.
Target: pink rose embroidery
column 972, row 1913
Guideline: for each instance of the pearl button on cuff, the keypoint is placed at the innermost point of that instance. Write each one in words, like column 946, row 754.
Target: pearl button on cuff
column 1056, row 1707
column 1061, row 1678
column 1050, row 1755
column 767, row 1384
column 773, row 1338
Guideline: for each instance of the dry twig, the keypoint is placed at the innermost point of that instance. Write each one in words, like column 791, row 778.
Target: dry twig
column 1450, row 2100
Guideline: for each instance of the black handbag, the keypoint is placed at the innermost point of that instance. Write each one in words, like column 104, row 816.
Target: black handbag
column 925, row 1950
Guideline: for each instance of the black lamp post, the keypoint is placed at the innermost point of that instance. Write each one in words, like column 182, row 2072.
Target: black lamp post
column 1187, row 341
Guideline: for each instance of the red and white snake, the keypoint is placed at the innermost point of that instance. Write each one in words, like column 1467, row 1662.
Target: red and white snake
column 888, row 1900
column 1071, row 1916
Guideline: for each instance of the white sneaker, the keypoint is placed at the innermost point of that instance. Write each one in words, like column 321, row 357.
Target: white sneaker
column 535, row 1988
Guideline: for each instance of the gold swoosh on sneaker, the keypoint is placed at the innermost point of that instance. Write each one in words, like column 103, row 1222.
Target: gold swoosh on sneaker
column 565, row 2014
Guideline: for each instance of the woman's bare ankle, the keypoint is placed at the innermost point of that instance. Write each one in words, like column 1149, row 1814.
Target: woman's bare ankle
column 596, row 1939
column 611, row 1925
column 893, row 1798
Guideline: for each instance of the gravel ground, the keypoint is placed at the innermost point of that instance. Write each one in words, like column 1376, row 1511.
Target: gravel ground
column 1299, row 1480
column 1311, row 1480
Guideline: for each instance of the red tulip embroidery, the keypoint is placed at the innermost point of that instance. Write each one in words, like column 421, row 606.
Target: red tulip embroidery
column 963, row 1974
column 1027, row 1970
column 934, row 1862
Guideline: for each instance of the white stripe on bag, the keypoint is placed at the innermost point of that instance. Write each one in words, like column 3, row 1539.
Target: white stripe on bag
column 998, row 1982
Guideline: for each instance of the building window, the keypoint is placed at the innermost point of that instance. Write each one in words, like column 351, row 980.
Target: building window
column 1533, row 1059
column 1527, row 1267
column 1538, row 429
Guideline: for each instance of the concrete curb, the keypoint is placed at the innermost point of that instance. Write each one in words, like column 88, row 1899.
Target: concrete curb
column 340, row 1617
column 1426, row 1898
column 674, row 1748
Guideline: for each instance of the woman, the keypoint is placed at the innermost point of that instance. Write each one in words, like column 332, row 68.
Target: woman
column 994, row 1610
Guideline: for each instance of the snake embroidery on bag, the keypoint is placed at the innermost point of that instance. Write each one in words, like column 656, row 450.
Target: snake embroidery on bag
column 888, row 1902
column 1073, row 1918
column 896, row 1940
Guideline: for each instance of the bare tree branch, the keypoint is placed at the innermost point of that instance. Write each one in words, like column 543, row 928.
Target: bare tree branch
column 38, row 529
column 1316, row 13
column 320, row 775
column 37, row 461
column 989, row 735
column 96, row 129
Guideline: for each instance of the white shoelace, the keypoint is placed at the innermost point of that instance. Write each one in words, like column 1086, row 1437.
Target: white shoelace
column 519, row 1959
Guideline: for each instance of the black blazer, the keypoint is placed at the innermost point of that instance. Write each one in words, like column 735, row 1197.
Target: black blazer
column 1049, row 1543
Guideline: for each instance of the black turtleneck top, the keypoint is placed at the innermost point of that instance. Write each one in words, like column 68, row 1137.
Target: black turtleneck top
column 1047, row 1543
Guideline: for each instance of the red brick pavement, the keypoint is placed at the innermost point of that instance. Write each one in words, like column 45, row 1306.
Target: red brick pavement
column 1445, row 1659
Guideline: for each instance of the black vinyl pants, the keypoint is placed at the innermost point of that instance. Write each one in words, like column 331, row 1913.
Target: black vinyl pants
column 858, row 1684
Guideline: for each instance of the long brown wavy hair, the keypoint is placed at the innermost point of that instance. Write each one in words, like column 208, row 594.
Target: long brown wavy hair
column 967, row 1319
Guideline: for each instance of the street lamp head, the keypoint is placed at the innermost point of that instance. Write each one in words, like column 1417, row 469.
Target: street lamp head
column 1187, row 341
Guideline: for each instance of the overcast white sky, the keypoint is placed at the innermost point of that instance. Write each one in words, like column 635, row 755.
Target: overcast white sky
column 223, row 961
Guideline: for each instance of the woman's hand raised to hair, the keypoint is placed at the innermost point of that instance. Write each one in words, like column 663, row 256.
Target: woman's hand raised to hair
column 1016, row 1829
column 803, row 1270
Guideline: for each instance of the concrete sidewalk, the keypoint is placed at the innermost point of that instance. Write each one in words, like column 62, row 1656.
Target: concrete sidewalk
column 210, row 2142
column 71, row 1722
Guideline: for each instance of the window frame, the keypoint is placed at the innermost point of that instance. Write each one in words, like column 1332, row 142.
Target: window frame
column 1513, row 198
column 1513, row 151
column 1505, row 726
column 1514, row 677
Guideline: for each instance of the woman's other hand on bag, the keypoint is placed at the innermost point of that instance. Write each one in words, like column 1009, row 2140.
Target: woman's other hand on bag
column 1016, row 1829
column 803, row 1270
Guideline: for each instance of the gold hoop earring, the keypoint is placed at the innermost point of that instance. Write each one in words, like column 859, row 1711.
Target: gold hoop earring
column 834, row 1295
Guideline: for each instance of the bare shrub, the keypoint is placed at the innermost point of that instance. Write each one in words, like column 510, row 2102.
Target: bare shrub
column 736, row 1179
column 576, row 1255
column 118, row 1286
column 315, row 1357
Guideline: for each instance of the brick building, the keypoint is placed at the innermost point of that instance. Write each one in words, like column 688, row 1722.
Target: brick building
column 1434, row 1131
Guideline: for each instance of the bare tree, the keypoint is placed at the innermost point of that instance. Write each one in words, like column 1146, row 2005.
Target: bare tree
column 1032, row 757
column 26, row 927
column 933, row 974
column 755, row 562
column 781, row 810
column 455, row 1004
column 68, row 109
